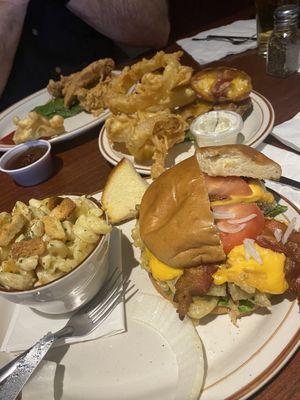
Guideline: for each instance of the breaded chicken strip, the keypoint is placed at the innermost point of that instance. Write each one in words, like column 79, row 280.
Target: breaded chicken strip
column 68, row 86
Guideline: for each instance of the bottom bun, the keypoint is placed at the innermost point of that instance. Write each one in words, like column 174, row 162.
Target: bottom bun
column 219, row 310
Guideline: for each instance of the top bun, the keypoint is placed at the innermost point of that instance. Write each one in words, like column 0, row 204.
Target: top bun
column 237, row 160
column 176, row 223
column 221, row 84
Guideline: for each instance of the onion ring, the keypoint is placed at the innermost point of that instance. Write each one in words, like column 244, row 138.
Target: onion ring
column 152, row 90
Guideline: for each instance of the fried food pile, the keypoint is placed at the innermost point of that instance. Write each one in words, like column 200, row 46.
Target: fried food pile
column 147, row 135
column 87, row 87
column 154, row 101
column 143, row 99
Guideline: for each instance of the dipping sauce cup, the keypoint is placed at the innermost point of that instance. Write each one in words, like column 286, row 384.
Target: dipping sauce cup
column 28, row 163
column 216, row 127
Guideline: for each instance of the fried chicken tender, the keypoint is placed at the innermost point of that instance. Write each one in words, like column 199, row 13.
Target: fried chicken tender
column 147, row 135
column 152, row 87
column 92, row 100
column 68, row 86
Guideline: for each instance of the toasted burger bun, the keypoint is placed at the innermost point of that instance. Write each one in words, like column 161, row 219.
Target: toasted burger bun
column 237, row 160
column 176, row 222
column 221, row 84
column 216, row 311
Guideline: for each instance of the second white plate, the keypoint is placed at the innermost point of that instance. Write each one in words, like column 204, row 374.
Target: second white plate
column 256, row 127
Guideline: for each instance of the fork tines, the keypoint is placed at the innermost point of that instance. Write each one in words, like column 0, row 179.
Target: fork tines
column 115, row 293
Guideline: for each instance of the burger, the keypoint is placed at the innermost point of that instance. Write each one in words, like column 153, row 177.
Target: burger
column 208, row 235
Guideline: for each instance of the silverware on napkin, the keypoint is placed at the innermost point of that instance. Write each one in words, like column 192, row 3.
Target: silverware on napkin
column 229, row 38
column 15, row 374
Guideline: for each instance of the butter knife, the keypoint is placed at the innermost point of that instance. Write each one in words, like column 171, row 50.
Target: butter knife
column 290, row 182
column 26, row 364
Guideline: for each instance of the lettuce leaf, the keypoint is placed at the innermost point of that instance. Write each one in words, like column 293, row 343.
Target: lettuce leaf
column 57, row 107
column 223, row 302
column 245, row 306
column 278, row 209
column 188, row 136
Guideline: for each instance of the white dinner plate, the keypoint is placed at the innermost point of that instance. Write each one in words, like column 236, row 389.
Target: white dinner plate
column 74, row 126
column 140, row 364
column 256, row 127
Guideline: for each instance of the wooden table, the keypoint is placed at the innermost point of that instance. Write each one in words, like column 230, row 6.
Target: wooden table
column 80, row 168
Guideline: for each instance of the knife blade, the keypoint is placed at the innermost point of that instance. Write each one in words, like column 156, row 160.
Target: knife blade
column 290, row 182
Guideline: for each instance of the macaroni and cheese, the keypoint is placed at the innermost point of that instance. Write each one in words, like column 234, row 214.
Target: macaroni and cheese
column 46, row 239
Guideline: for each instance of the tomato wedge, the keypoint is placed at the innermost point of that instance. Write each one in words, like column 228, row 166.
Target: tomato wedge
column 226, row 186
column 248, row 229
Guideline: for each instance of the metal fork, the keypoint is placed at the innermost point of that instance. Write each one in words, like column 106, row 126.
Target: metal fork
column 232, row 39
column 15, row 374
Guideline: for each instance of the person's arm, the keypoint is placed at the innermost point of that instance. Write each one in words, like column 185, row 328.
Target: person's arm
column 12, row 15
column 132, row 22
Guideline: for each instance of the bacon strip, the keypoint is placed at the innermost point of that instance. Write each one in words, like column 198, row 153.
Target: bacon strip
column 195, row 281
column 222, row 83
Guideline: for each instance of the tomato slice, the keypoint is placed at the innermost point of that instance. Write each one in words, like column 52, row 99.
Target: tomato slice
column 226, row 186
column 251, row 229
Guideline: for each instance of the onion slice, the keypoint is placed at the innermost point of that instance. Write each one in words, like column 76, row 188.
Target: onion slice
column 242, row 220
column 250, row 251
column 289, row 230
column 233, row 229
column 223, row 215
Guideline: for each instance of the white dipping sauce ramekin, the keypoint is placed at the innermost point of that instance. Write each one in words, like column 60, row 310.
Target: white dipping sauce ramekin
column 201, row 128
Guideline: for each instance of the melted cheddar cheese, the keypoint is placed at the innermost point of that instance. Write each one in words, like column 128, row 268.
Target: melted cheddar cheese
column 258, row 194
column 267, row 277
column 160, row 270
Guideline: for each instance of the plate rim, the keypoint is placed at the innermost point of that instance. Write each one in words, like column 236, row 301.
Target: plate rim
column 57, row 139
column 109, row 154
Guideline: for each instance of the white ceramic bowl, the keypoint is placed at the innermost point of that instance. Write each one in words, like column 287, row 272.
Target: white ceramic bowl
column 34, row 173
column 70, row 291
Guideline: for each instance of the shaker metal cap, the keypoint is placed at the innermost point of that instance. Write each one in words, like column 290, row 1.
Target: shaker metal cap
column 288, row 12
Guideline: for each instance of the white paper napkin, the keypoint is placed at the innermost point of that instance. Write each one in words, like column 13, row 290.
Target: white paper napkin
column 290, row 164
column 26, row 326
column 289, row 132
column 205, row 51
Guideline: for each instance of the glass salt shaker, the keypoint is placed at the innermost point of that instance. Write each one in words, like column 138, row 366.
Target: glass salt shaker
column 283, row 46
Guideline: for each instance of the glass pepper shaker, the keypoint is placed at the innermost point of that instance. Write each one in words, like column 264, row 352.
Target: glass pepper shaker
column 283, row 46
